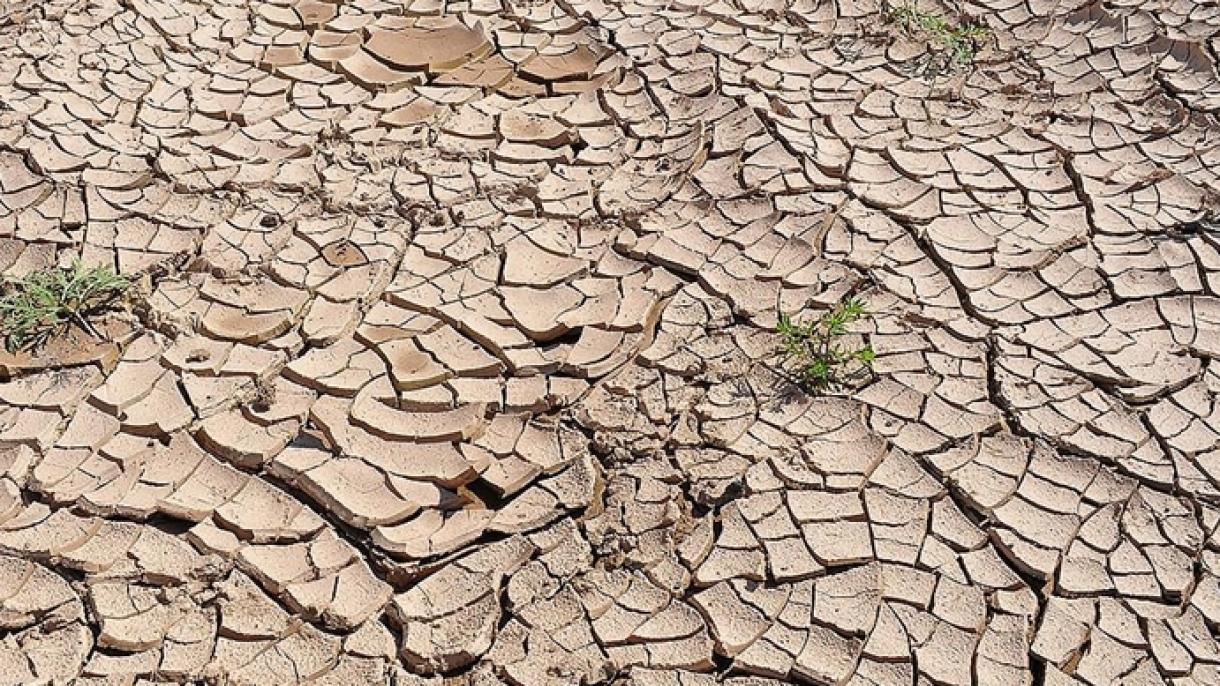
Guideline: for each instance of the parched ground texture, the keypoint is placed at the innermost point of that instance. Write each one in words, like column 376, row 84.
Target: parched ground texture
column 454, row 358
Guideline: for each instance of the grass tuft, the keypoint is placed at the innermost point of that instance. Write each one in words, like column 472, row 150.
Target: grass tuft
column 39, row 305
column 958, row 43
column 822, row 364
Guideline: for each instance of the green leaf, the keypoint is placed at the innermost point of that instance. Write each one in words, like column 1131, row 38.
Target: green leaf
column 38, row 305
column 815, row 348
column 866, row 354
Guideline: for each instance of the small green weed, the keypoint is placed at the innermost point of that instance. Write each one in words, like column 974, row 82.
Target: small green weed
column 37, row 306
column 958, row 44
column 822, row 364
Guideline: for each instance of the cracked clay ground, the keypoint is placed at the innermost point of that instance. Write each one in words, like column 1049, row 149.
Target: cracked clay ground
column 453, row 359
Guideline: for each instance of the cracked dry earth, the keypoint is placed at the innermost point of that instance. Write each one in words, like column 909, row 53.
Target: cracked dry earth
column 454, row 361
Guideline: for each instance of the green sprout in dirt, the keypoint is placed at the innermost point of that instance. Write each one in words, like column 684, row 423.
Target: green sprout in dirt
column 822, row 363
column 958, row 43
column 39, row 305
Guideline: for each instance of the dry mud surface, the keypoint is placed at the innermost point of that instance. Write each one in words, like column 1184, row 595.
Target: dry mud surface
column 455, row 362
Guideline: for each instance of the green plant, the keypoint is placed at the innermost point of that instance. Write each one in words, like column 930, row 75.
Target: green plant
column 958, row 43
column 821, row 363
column 35, row 307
